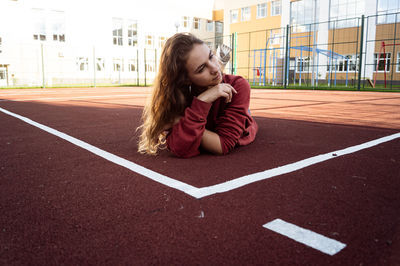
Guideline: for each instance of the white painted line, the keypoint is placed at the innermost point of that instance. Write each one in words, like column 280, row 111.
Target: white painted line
column 248, row 179
column 109, row 156
column 214, row 189
column 324, row 244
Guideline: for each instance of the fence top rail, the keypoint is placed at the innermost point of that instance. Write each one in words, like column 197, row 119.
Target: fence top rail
column 384, row 14
column 310, row 24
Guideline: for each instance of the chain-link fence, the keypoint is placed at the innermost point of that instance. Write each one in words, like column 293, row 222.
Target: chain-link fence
column 355, row 53
column 50, row 65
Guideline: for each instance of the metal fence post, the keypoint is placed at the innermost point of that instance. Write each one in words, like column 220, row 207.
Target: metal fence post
column 231, row 40
column 119, row 72
column 94, row 67
column 235, row 55
column 361, row 52
column 155, row 60
column 286, row 57
column 137, row 67
column 314, row 45
column 145, row 68
column 248, row 59
column 43, row 77
column 392, row 69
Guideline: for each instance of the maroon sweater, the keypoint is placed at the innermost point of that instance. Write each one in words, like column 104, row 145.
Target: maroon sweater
column 231, row 121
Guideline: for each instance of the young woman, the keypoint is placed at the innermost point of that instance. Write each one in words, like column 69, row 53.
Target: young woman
column 194, row 107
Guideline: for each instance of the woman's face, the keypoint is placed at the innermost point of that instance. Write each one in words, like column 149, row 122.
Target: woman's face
column 203, row 67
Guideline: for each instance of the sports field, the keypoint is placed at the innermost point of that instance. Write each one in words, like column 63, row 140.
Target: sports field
column 319, row 186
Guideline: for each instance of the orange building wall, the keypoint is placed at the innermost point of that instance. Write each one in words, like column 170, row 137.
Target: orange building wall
column 251, row 35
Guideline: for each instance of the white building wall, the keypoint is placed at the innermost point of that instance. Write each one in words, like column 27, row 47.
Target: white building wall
column 285, row 15
column 322, row 41
column 88, row 34
column 369, row 47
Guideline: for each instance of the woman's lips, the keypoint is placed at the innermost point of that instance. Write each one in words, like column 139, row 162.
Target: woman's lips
column 217, row 77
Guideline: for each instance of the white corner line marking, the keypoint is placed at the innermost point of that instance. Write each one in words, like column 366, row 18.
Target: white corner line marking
column 109, row 156
column 309, row 238
column 210, row 190
column 248, row 179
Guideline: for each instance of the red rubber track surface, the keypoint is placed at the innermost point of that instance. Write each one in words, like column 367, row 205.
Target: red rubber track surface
column 61, row 204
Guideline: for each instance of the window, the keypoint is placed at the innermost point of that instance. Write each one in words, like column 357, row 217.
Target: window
column 149, row 40
column 39, row 24
column 118, row 65
column 132, row 65
column 344, row 64
column 386, row 8
column 292, row 63
column 275, row 8
column 210, row 26
column 346, row 12
column 384, row 62
column 246, row 14
column 196, row 23
column 219, row 41
column 99, row 64
column 82, row 63
column 2, row 74
column 398, row 62
column 58, row 26
column 276, row 38
column 302, row 13
column 262, row 10
column 303, row 64
column 352, row 62
column 150, row 66
column 219, row 27
column 234, row 16
column 117, row 31
column 185, row 22
column 132, row 33
column 348, row 63
column 161, row 41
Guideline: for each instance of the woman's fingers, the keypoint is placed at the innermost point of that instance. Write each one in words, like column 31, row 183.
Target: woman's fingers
column 220, row 90
column 226, row 93
column 232, row 88
column 229, row 91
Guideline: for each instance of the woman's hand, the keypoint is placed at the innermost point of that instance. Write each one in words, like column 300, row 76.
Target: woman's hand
column 221, row 90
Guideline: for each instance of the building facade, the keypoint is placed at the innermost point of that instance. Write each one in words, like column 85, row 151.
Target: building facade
column 50, row 43
column 325, row 40
column 54, row 43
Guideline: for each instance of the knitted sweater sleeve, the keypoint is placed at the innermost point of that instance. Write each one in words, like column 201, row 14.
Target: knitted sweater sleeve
column 233, row 124
column 185, row 137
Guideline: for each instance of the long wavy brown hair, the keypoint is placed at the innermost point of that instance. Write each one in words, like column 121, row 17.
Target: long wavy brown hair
column 170, row 95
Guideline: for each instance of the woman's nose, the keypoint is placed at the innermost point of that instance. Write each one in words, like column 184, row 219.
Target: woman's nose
column 214, row 68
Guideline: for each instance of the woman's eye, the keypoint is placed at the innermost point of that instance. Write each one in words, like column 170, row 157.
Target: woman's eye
column 211, row 56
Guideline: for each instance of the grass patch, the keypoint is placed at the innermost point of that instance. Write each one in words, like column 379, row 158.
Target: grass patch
column 332, row 88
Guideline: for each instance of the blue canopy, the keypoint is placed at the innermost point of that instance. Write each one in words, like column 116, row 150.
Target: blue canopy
column 327, row 53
